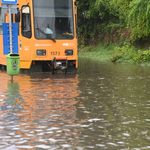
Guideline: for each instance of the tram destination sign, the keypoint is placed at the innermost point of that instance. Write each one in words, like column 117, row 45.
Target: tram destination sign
column 9, row 1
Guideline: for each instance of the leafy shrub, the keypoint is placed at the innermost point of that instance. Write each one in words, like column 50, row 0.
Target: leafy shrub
column 123, row 54
column 128, row 53
column 142, row 56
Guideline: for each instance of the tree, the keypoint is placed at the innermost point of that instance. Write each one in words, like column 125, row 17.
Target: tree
column 139, row 19
column 122, row 7
column 99, row 14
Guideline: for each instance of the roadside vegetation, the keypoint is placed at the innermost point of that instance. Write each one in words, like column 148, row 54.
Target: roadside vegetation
column 117, row 31
column 100, row 51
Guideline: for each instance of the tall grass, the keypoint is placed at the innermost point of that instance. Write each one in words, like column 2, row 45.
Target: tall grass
column 117, row 54
column 100, row 52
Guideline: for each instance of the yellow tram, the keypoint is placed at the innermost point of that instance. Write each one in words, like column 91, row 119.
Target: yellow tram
column 47, row 34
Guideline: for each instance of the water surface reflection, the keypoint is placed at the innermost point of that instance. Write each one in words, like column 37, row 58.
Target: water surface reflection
column 38, row 111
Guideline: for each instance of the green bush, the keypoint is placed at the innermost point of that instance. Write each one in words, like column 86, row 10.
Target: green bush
column 129, row 53
column 123, row 54
column 142, row 56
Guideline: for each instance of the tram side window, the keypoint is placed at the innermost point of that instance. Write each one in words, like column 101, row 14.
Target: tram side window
column 26, row 22
column 2, row 20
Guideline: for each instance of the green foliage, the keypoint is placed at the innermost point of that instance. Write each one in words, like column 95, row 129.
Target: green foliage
column 128, row 53
column 122, row 7
column 102, row 15
column 142, row 56
column 123, row 54
column 139, row 19
column 99, row 14
column 110, row 20
column 100, row 52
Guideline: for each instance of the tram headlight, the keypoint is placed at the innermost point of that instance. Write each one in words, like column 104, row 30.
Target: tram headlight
column 41, row 52
column 68, row 52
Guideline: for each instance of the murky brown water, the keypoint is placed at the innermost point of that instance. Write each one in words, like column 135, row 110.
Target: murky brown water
column 103, row 106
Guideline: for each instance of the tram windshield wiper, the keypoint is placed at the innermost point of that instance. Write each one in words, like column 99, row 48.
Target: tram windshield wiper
column 47, row 35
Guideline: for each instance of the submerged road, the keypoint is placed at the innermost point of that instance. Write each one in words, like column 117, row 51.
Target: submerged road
column 103, row 106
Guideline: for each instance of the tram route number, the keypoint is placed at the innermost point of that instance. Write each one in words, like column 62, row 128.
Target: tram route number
column 55, row 53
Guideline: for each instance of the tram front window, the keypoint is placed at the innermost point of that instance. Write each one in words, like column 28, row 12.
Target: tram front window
column 53, row 19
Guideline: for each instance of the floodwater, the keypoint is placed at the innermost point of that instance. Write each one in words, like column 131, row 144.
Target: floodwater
column 104, row 106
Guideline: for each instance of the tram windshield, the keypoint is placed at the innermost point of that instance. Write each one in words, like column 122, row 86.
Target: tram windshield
column 53, row 19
